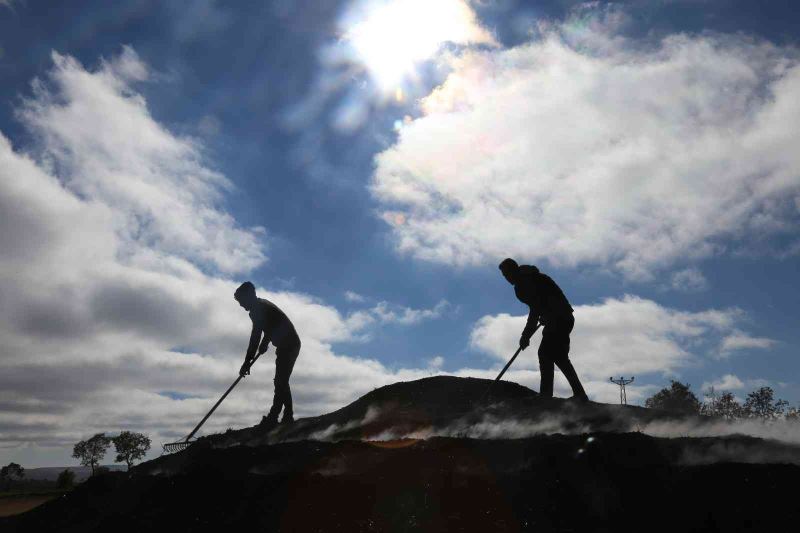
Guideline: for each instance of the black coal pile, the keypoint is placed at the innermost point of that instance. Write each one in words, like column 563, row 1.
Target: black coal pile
column 451, row 406
column 598, row 480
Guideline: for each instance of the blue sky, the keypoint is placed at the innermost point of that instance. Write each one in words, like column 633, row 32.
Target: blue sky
column 641, row 153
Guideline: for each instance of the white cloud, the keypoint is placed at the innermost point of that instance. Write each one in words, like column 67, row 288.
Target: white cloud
column 628, row 336
column 108, row 148
column 351, row 296
column 387, row 313
column 436, row 362
column 689, row 280
column 728, row 382
column 731, row 382
column 739, row 340
column 599, row 152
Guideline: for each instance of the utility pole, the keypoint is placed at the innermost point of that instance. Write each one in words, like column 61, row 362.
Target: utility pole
column 623, row 398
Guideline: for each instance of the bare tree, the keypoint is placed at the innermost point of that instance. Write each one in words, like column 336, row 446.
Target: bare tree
column 91, row 451
column 130, row 447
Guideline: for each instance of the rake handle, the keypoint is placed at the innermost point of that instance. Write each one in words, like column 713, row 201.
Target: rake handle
column 238, row 379
column 508, row 365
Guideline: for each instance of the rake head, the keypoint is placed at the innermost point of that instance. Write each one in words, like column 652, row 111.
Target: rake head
column 172, row 447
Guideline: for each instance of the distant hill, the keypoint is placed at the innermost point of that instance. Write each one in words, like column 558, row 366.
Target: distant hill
column 50, row 473
column 379, row 464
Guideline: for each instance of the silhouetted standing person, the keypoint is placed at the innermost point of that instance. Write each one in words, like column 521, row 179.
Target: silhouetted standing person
column 278, row 329
column 547, row 304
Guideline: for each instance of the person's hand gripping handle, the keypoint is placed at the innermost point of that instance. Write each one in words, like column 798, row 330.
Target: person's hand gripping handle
column 524, row 341
column 245, row 370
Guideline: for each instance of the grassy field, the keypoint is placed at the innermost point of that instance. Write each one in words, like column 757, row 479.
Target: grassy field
column 11, row 504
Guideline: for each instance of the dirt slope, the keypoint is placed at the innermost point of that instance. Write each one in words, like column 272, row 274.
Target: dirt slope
column 591, row 480
column 447, row 406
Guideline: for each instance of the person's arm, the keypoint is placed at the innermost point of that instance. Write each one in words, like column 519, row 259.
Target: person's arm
column 530, row 327
column 255, row 337
column 264, row 345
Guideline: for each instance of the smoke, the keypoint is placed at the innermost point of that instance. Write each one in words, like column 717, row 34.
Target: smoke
column 691, row 440
column 336, row 431
column 499, row 421
column 738, row 451
column 699, row 440
column 784, row 431
column 331, row 432
column 493, row 427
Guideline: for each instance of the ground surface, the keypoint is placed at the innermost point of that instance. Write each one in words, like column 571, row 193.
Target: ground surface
column 19, row 503
column 594, row 478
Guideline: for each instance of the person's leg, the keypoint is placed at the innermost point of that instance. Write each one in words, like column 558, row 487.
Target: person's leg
column 286, row 372
column 277, row 401
column 561, row 357
column 565, row 365
column 285, row 358
column 546, row 370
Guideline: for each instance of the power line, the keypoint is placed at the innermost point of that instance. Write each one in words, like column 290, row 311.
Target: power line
column 623, row 397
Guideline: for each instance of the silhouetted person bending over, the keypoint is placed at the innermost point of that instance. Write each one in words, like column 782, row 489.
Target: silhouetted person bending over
column 278, row 329
column 547, row 304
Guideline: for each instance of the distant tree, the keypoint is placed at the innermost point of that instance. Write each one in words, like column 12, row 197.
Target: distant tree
column 728, row 408
column 677, row 398
column 12, row 471
column 10, row 474
column 130, row 447
column 762, row 404
column 66, row 479
column 723, row 406
column 91, row 451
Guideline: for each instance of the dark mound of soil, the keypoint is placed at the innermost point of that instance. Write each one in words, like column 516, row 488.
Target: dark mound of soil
column 594, row 481
column 446, row 406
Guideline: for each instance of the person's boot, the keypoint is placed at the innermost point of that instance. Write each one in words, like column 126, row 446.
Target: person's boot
column 268, row 423
column 287, row 419
column 578, row 398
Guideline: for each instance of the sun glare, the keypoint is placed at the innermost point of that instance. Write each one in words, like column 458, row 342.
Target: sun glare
column 391, row 37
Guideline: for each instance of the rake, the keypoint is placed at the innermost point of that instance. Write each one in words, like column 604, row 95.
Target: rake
column 172, row 447
column 500, row 375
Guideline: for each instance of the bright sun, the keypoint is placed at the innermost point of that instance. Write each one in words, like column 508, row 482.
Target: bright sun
column 390, row 37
